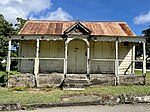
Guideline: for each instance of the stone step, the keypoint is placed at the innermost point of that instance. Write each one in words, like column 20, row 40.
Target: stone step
column 76, row 81
column 77, row 76
column 77, row 89
column 76, row 85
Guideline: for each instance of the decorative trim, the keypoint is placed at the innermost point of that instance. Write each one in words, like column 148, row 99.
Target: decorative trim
column 78, row 25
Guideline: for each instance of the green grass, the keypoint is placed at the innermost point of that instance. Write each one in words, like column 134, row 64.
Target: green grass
column 139, row 73
column 8, row 96
column 54, row 95
column 48, row 95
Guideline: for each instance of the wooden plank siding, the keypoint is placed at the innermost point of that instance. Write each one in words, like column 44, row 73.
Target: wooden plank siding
column 27, row 49
column 48, row 49
column 125, row 54
column 77, row 62
column 51, row 49
column 106, row 50
column 102, row 50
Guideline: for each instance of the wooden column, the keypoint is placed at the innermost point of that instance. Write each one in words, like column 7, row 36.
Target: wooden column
column 144, row 60
column 66, row 57
column 36, row 64
column 88, row 59
column 116, row 64
column 8, row 57
column 133, row 58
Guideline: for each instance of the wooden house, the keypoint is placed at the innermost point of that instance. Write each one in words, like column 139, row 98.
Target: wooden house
column 77, row 48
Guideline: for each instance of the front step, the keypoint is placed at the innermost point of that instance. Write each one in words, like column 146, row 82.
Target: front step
column 75, row 82
column 77, row 89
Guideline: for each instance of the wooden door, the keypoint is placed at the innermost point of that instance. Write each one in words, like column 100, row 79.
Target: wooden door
column 77, row 57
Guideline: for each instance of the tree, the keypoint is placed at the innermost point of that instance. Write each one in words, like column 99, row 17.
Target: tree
column 147, row 34
column 139, row 47
column 6, row 30
column 20, row 24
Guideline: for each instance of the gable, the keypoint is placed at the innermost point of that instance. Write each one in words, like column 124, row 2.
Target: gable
column 77, row 29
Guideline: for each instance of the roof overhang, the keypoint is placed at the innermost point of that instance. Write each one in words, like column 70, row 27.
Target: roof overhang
column 35, row 37
column 136, row 39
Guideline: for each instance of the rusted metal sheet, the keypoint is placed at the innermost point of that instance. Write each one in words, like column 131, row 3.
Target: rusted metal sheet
column 58, row 27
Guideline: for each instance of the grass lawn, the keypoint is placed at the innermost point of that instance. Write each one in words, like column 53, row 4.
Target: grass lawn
column 47, row 95
column 54, row 95
column 139, row 73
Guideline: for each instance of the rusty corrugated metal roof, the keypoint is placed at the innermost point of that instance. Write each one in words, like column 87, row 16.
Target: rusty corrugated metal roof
column 34, row 27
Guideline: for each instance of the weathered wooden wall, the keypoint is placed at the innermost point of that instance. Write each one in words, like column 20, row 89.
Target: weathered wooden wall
column 106, row 50
column 51, row 49
column 102, row 50
column 77, row 58
column 125, row 54
column 48, row 49
column 27, row 49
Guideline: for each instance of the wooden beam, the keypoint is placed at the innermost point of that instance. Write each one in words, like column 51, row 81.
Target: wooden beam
column 66, row 58
column 22, row 58
column 88, row 59
column 36, row 64
column 144, row 60
column 103, row 59
column 133, row 58
column 8, row 57
column 19, row 55
column 115, row 59
column 51, row 58
column 35, row 37
column 116, row 64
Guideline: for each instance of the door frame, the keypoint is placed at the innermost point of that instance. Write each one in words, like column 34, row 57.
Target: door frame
column 67, row 41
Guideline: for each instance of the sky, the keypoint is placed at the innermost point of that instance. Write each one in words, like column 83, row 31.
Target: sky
column 136, row 13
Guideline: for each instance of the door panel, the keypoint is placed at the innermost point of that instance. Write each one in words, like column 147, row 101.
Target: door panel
column 77, row 57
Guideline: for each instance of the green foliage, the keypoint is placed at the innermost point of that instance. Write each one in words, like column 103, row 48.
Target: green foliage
column 139, row 47
column 147, row 34
column 6, row 30
column 4, row 76
column 19, row 88
column 13, row 73
column 20, row 24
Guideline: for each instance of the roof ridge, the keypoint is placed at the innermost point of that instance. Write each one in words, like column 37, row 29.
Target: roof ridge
column 71, row 21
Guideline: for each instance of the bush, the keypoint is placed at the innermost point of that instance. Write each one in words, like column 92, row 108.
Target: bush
column 3, row 78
